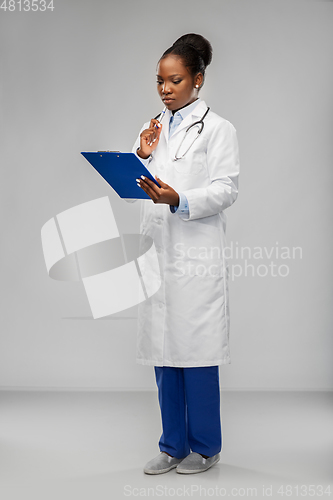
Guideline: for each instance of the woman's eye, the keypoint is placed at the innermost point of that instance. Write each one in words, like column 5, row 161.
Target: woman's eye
column 161, row 83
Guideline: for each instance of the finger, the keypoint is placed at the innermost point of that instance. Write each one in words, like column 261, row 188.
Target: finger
column 148, row 190
column 153, row 195
column 154, row 133
column 153, row 138
column 146, row 136
column 145, row 180
column 158, row 131
column 142, row 184
column 148, row 132
column 149, row 140
column 161, row 183
column 157, row 135
column 154, row 123
column 151, row 184
column 145, row 132
column 151, row 129
column 151, row 134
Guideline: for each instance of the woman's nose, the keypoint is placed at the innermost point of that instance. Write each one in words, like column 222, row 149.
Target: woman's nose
column 165, row 88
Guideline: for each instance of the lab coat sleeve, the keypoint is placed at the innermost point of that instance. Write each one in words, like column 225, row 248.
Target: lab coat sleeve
column 223, row 168
column 145, row 162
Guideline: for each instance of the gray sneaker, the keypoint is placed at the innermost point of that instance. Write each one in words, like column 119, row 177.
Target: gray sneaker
column 162, row 463
column 194, row 462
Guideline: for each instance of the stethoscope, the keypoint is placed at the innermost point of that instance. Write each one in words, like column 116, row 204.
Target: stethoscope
column 201, row 124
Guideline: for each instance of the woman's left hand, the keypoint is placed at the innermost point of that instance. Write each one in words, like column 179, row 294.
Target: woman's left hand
column 164, row 194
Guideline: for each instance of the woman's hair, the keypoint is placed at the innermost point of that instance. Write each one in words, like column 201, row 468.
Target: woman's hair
column 195, row 51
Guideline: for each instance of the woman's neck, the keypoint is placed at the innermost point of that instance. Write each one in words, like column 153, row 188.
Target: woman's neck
column 188, row 104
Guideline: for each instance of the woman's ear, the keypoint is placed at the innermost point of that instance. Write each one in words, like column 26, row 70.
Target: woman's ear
column 198, row 81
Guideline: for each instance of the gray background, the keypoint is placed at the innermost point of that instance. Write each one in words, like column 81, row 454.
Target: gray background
column 82, row 78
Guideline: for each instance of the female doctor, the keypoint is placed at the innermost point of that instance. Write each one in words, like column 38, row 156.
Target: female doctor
column 184, row 327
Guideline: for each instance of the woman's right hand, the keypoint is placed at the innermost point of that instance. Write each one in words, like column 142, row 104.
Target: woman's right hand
column 149, row 139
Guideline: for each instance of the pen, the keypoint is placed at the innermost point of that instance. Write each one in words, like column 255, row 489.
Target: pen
column 161, row 115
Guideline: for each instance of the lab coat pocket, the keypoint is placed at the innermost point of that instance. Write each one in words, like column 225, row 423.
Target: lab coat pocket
column 199, row 251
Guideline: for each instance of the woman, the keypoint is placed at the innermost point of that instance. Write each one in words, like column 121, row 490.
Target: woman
column 184, row 326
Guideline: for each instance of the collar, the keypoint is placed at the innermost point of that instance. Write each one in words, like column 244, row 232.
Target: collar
column 186, row 110
column 195, row 113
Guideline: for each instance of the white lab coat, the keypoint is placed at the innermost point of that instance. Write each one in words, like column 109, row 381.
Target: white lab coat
column 186, row 322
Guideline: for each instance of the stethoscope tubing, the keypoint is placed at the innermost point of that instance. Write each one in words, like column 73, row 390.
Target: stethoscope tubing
column 199, row 122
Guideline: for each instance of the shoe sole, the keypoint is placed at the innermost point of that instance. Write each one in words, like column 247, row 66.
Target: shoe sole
column 161, row 471
column 187, row 471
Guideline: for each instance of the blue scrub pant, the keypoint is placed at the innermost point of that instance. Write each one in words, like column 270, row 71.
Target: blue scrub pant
column 189, row 399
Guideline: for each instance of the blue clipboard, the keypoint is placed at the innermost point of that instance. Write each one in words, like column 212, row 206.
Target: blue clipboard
column 120, row 171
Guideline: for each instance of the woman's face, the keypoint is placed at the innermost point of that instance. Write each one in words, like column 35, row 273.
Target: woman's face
column 175, row 84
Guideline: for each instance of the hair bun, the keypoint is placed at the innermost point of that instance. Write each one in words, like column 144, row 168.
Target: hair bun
column 198, row 43
column 194, row 51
